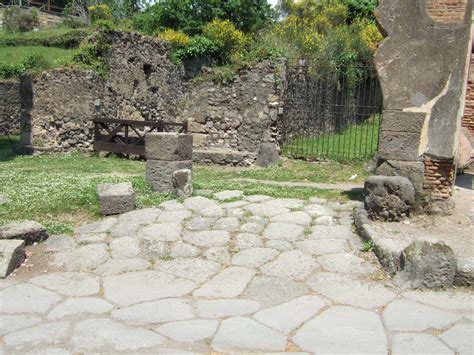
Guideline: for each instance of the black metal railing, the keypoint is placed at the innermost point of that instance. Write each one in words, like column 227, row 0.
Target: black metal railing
column 330, row 114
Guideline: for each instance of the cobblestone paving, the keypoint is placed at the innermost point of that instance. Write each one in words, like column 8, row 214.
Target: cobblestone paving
column 253, row 274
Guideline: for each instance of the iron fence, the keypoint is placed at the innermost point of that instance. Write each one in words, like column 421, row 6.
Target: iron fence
column 330, row 114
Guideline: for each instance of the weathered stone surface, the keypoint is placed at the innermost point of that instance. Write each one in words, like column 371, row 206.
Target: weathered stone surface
column 168, row 310
column 159, row 173
column 189, row 331
column 59, row 242
column 144, row 286
column 183, row 183
column 48, row 333
column 199, row 223
column 106, row 335
column 268, row 155
column 254, row 257
column 406, row 315
column 449, row 300
column 141, row 217
column 116, row 198
column 285, row 202
column 184, row 250
column 412, row 343
column 86, row 257
column 363, row 332
column 193, row 269
column 282, row 245
column 323, row 246
column 300, row 218
column 324, row 221
column 228, row 194
column 154, row 250
column 164, row 232
column 291, row 265
column 207, row 239
column 252, row 227
column 331, row 232
column 213, row 211
column 229, row 224
column 75, row 306
column 24, row 298
column 226, row 308
column 414, row 171
column 169, row 146
column 459, row 338
column 220, row 255
column 174, row 216
column 389, row 198
column 243, row 333
column 93, row 238
column 230, row 282
column 464, row 272
column 29, row 231
column 12, row 255
column 290, row 315
column 124, row 248
column 346, row 263
column 102, row 226
column 69, row 283
column 265, row 210
column 116, row 266
column 247, row 240
column 11, row 323
column 319, row 210
column 171, row 205
column 284, row 231
column 199, row 203
column 428, row 265
column 256, row 198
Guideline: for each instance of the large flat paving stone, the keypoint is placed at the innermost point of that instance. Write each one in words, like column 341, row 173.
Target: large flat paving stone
column 291, row 265
column 406, row 315
column 237, row 334
column 102, row 226
column 265, row 210
column 290, row 315
column 140, row 286
column 174, row 216
column 285, row 202
column 254, row 257
column 83, row 258
column 69, row 283
column 226, row 308
column 142, row 217
column 331, row 232
column 124, row 229
column 323, row 246
column 184, row 250
column 190, row 330
column 318, row 210
column 47, row 333
column 297, row 217
column 230, row 282
column 75, row 306
column 165, row 232
column 418, row 343
column 212, row 212
column 343, row 330
column 59, row 242
column 282, row 245
column 27, row 298
column 460, row 338
column 257, row 198
column 13, row 322
column 228, row 194
column 199, row 223
column 199, row 203
column 247, row 240
column 349, row 290
column 284, row 231
column 252, row 228
column 207, row 239
column 449, row 300
column 171, row 205
column 346, row 263
column 103, row 335
column 120, row 266
column 220, row 255
column 229, row 224
column 194, row 269
column 167, row 310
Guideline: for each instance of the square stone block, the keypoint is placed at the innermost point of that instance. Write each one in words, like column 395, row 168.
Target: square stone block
column 116, row 198
column 399, row 146
column 402, row 121
column 159, row 173
column 169, row 146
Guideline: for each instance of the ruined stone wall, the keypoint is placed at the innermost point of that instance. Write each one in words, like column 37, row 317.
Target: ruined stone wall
column 46, row 19
column 468, row 117
column 448, row 11
column 9, row 108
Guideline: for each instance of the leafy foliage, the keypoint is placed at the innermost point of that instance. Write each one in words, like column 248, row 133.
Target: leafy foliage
column 17, row 19
column 176, row 38
column 61, row 38
column 224, row 34
column 93, row 53
column 199, row 46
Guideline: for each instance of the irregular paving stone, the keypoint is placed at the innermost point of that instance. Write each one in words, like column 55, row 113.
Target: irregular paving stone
column 323, row 246
column 236, row 334
column 257, row 198
column 168, row 310
column 229, row 224
column 124, row 229
column 116, row 266
column 124, row 248
column 415, row 343
column 74, row 306
column 86, row 257
column 11, row 323
column 284, row 231
column 106, row 335
column 199, row 223
column 218, row 254
column 286, row 202
column 274, row 290
column 265, row 210
column 234, row 205
column 29, row 231
column 230, row 282
column 25, row 298
column 318, row 210
column 290, row 315
column 207, row 239
column 69, row 283
column 343, row 330
column 12, row 255
column 346, row 263
column 140, row 286
column 324, row 221
column 282, row 245
column 84, row 239
column 349, row 290
column 164, row 232
column 143, row 216
column 198, row 203
column 59, row 243
column 449, row 300
column 48, row 333
column 251, row 227
column 226, row 308
column 460, row 338
column 213, row 211
column 190, row 330
column 254, row 257
column 48, row 350
column 411, row 316
column 292, row 265
column 171, row 205
column 236, row 213
column 184, row 250
column 102, row 226
column 293, row 218
column 154, row 250
column 331, row 232
column 193, row 269
column 174, row 216
column 228, row 194
column 247, row 240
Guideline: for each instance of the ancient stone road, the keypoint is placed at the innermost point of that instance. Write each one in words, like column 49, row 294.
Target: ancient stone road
column 254, row 274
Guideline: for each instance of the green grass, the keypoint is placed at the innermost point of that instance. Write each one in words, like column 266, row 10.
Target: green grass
column 50, row 57
column 60, row 190
column 357, row 142
column 56, row 37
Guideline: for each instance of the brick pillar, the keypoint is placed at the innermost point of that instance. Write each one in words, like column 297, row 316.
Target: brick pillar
column 468, row 117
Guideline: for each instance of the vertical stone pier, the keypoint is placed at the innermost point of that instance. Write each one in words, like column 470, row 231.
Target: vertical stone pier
column 422, row 66
column 166, row 153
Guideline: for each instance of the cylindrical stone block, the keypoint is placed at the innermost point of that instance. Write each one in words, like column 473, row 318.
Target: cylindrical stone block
column 159, row 173
column 169, row 146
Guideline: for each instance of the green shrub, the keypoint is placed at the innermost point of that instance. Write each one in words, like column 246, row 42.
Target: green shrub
column 93, row 53
column 99, row 12
column 32, row 62
column 61, row 38
column 16, row 19
column 175, row 38
column 229, row 39
column 199, row 46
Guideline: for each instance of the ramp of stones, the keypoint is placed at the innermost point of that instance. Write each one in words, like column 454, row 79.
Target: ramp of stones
column 253, row 275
